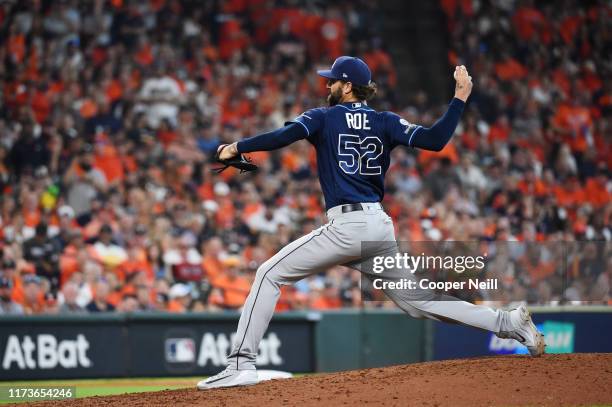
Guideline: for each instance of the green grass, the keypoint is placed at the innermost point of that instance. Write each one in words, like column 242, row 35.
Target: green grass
column 105, row 387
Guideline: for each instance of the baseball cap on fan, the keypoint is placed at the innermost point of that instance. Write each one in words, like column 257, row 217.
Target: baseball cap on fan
column 348, row 69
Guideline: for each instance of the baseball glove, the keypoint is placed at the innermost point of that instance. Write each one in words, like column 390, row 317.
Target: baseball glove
column 241, row 162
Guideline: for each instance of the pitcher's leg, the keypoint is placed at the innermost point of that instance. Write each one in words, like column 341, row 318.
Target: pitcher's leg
column 516, row 324
column 308, row 255
column 456, row 311
column 420, row 303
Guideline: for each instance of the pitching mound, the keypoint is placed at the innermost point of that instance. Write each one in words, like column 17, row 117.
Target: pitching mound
column 552, row 380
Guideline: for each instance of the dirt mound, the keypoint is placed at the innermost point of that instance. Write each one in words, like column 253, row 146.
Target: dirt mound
column 552, row 380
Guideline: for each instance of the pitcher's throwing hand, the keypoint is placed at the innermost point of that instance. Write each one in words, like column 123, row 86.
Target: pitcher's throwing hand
column 463, row 86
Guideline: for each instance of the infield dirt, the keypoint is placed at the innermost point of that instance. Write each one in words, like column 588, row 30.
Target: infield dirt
column 552, row 380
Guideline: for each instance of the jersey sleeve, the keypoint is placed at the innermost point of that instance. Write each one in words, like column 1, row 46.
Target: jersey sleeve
column 400, row 131
column 312, row 120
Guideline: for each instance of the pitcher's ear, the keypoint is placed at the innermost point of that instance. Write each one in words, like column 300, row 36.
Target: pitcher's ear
column 348, row 89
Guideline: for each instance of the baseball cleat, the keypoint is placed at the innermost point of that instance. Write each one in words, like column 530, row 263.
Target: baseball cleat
column 229, row 378
column 525, row 331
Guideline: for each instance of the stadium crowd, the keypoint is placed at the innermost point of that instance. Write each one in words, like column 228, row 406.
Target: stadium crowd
column 110, row 112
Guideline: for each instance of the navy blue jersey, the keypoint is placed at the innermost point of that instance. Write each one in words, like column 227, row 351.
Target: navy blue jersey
column 354, row 143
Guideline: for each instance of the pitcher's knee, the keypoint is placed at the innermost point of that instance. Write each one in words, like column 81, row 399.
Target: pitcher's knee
column 276, row 272
column 268, row 271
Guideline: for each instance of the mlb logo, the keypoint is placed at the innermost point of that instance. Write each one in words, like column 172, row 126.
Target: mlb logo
column 180, row 350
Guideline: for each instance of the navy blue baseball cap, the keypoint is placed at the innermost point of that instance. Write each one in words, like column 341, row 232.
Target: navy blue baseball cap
column 349, row 69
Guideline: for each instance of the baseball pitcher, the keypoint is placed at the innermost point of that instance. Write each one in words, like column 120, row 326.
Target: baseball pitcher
column 353, row 144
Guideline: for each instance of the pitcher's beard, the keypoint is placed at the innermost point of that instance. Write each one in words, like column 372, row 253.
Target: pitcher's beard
column 334, row 98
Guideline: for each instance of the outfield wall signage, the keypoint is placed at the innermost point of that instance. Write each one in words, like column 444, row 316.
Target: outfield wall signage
column 202, row 348
column 115, row 346
column 61, row 351
column 563, row 332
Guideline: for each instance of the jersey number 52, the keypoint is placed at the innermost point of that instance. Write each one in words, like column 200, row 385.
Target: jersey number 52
column 359, row 155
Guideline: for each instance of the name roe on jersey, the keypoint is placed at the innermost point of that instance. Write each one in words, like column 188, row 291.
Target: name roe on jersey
column 357, row 121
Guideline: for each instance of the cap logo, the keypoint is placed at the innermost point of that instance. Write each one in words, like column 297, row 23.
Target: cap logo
column 344, row 75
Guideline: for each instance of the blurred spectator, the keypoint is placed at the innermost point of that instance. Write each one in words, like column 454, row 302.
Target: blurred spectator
column 106, row 250
column 212, row 263
column 143, row 298
column 33, row 295
column 68, row 299
column 185, row 261
column 441, row 178
column 470, row 176
column 326, row 297
column 180, row 298
column 268, row 219
column 232, row 287
column 162, row 297
column 129, row 303
column 65, row 230
column 100, row 296
column 7, row 305
column 161, row 96
column 83, row 182
column 41, row 251
column 30, row 151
